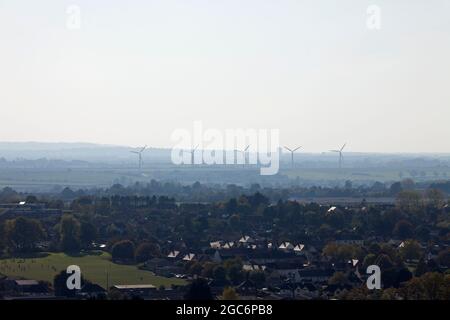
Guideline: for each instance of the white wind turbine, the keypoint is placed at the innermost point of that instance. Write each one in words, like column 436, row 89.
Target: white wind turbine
column 292, row 151
column 244, row 153
column 341, row 156
column 192, row 152
column 139, row 153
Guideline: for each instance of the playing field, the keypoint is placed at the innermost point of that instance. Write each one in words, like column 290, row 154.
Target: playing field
column 94, row 267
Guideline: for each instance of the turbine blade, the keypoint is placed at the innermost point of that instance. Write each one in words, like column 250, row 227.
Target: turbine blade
column 288, row 149
column 343, row 146
column 297, row 148
column 247, row 148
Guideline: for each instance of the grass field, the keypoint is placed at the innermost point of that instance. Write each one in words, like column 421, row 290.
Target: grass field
column 367, row 174
column 94, row 267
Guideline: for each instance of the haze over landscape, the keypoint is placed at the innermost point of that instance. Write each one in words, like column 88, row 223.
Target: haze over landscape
column 136, row 71
column 334, row 183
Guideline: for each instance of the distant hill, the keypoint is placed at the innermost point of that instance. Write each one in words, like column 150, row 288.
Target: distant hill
column 77, row 151
column 115, row 154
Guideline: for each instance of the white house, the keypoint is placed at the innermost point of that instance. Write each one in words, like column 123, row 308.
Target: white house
column 173, row 254
column 189, row 257
column 286, row 246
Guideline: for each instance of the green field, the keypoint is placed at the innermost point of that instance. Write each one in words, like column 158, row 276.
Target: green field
column 94, row 267
column 367, row 174
column 45, row 179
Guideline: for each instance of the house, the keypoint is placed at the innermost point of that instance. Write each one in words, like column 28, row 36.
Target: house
column 228, row 245
column 217, row 257
column 298, row 249
column 281, row 274
column 253, row 267
column 216, row 244
column 354, row 262
column 246, row 288
column 29, row 287
column 315, row 275
column 301, row 291
column 173, row 254
column 135, row 289
column 286, row 246
column 92, row 290
column 358, row 242
column 331, row 210
column 189, row 257
column 245, row 240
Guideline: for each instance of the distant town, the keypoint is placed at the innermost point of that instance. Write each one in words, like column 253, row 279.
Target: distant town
column 205, row 159
column 241, row 243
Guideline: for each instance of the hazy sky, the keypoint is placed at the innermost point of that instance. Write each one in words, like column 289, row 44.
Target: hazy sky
column 137, row 70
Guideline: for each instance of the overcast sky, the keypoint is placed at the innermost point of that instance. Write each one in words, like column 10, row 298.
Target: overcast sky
column 137, row 70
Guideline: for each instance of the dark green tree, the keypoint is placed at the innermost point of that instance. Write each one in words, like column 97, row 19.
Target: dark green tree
column 146, row 251
column 123, row 250
column 88, row 234
column 23, row 233
column 199, row 290
column 69, row 234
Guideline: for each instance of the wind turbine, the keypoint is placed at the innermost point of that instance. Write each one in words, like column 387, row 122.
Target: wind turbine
column 244, row 152
column 292, row 151
column 139, row 153
column 192, row 152
column 340, row 154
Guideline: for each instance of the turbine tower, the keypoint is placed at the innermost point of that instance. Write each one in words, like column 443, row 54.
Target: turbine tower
column 292, row 151
column 244, row 152
column 139, row 153
column 341, row 156
column 192, row 152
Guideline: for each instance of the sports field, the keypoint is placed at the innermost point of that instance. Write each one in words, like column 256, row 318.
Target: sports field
column 96, row 267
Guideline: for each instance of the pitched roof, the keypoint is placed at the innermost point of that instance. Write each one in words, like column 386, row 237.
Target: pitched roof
column 286, row 245
column 173, row 254
column 189, row 257
column 26, row 282
column 245, row 239
column 215, row 244
column 134, row 286
column 332, row 209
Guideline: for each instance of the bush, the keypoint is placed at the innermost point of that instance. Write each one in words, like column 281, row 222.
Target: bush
column 123, row 250
column 146, row 251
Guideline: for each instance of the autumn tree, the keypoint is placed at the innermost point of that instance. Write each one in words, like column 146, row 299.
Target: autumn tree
column 146, row 251
column 229, row 294
column 403, row 229
column 338, row 278
column 199, row 290
column 88, row 233
column 22, row 234
column 69, row 231
column 123, row 250
column 435, row 197
column 409, row 201
column 411, row 250
column 430, row 286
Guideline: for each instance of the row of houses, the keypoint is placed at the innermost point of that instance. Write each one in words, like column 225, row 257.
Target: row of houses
column 16, row 289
